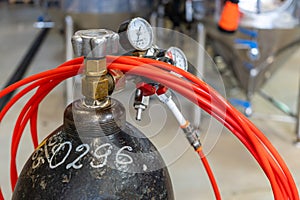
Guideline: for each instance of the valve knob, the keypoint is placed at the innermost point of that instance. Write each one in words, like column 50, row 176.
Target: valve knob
column 95, row 43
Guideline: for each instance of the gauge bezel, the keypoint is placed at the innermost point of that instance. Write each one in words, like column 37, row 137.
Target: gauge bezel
column 149, row 31
column 182, row 53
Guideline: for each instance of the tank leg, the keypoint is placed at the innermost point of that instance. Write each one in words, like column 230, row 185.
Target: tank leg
column 297, row 143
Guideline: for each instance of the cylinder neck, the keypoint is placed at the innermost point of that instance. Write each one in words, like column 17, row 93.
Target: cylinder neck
column 95, row 121
column 93, row 103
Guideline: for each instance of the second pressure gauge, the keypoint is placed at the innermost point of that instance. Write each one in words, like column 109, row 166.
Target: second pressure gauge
column 136, row 34
column 178, row 57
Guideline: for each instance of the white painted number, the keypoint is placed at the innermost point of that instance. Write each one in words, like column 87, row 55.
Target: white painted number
column 100, row 155
column 56, row 151
column 78, row 149
column 122, row 158
column 37, row 159
column 103, row 157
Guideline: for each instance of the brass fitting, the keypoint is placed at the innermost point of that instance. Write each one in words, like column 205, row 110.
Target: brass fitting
column 95, row 67
column 118, row 78
column 139, row 53
column 95, row 83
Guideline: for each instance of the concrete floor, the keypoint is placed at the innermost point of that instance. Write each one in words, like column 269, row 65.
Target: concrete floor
column 237, row 173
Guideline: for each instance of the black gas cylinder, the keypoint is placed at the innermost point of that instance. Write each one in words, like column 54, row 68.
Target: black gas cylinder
column 95, row 154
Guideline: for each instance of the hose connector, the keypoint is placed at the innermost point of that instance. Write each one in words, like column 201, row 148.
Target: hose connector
column 190, row 132
column 192, row 135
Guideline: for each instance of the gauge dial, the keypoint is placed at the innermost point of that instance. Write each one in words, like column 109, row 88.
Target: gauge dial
column 139, row 34
column 178, row 57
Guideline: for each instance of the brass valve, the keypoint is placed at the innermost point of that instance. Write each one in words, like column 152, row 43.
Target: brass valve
column 94, row 45
column 95, row 82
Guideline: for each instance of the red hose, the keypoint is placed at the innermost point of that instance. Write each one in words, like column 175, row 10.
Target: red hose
column 209, row 174
column 265, row 164
column 27, row 112
column 32, row 106
column 1, row 195
column 194, row 89
column 30, row 79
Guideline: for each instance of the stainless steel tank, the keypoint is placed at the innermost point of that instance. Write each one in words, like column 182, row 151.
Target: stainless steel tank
column 269, row 32
column 99, row 13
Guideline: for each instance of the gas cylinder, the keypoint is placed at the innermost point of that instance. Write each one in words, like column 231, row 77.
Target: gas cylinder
column 96, row 153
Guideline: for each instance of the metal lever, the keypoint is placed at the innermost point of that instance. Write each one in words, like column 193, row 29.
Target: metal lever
column 252, row 46
column 140, row 103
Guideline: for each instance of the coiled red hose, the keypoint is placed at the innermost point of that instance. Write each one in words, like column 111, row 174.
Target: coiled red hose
column 198, row 92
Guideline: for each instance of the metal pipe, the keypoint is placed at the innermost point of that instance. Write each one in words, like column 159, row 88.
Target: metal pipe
column 298, row 119
column 24, row 64
column 279, row 105
column 201, row 36
column 69, row 30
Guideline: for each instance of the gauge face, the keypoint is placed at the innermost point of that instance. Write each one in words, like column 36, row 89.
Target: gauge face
column 178, row 57
column 140, row 34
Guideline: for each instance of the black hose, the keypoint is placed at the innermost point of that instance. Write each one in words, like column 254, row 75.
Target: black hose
column 24, row 65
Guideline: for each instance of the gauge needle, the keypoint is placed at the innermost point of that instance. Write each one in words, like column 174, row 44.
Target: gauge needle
column 138, row 34
column 174, row 58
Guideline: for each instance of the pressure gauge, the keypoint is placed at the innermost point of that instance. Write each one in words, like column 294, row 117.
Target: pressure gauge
column 178, row 57
column 136, row 34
